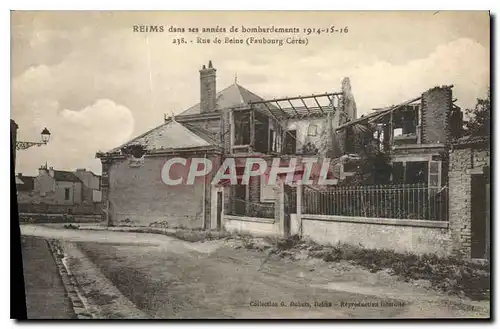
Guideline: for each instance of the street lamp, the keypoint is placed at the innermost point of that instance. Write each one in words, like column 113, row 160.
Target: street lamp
column 25, row 145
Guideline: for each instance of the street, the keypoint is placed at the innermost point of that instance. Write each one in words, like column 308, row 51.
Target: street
column 45, row 294
column 157, row 276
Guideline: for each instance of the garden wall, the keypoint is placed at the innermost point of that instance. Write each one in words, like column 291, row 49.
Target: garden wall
column 415, row 236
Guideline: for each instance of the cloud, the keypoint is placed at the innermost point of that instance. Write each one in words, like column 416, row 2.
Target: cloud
column 86, row 77
column 76, row 135
column 463, row 63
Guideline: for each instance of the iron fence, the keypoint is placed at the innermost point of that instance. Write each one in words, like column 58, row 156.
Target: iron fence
column 239, row 207
column 416, row 201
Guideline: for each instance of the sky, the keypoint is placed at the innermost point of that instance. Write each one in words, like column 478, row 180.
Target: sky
column 95, row 83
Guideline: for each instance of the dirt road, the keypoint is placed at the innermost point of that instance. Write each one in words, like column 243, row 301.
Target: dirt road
column 169, row 278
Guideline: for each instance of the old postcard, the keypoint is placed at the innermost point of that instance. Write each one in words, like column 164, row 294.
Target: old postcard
column 251, row 165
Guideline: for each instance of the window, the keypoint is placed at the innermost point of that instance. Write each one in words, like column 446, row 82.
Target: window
column 398, row 172
column 291, row 142
column 435, row 174
column 312, row 130
column 242, row 128
column 416, row 172
column 272, row 136
column 274, row 141
column 66, row 193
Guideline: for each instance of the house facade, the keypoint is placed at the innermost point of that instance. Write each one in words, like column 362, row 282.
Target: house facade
column 51, row 187
column 231, row 123
column 91, row 185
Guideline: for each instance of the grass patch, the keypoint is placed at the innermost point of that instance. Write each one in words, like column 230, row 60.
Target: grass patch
column 448, row 274
column 189, row 235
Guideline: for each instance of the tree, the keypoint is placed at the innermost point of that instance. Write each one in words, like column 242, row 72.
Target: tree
column 480, row 117
column 373, row 166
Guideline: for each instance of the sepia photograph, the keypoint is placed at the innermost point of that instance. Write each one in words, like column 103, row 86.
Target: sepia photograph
column 251, row 164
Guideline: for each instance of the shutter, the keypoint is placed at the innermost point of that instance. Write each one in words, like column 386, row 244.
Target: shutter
column 434, row 173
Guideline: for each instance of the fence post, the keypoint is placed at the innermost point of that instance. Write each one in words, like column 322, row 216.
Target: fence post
column 299, row 208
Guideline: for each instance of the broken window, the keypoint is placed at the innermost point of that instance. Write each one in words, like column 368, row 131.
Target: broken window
column 261, row 133
column 312, row 130
column 290, row 142
column 416, row 172
column 405, row 121
column 242, row 127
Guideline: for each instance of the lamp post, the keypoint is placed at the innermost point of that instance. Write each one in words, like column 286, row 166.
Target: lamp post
column 21, row 145
column 25, row 145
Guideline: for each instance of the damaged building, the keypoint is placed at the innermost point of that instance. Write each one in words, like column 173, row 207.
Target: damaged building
column 236, row 123
column 233, row 122
column 416, row 135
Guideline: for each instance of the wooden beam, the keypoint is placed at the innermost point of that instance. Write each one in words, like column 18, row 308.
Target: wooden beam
column 294, row 98
column 293, row 107
column 319, row 105
column 305, row 105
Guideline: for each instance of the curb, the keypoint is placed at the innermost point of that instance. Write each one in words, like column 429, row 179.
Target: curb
column 69, row 282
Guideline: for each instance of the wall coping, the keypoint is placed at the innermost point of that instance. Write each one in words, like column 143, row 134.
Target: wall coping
column 379, row 221
column 250, row 219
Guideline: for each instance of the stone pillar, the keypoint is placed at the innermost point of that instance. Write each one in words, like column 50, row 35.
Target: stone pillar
column 279, row 207
column 459, row 200
column 299, row 208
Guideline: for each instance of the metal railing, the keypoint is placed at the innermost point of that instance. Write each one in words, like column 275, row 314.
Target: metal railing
column 239, row 207
column 416, row 201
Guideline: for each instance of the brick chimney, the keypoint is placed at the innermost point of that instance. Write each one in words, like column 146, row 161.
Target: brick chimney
column 207, row 88
column 436, row 109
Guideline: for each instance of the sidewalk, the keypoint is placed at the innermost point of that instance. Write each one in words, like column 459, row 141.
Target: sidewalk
column 46, row 297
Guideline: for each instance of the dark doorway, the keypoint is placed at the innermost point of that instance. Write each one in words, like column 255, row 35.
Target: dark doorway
column 478, row 216
column 219, row 210
column 240, row 197
column 290, row 207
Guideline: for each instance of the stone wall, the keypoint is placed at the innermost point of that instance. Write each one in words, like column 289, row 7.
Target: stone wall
column 52, row 193
column 412, row 236
column 251, row 225
column 463, row 162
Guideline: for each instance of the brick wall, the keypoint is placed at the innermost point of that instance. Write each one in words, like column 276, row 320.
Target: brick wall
column 207, row 89
column 436, row 109
column 462, row 162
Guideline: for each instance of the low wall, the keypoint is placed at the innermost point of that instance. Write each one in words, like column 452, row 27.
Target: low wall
column 401, row 235
column 251, row 225
column 77, row 209
column 58, row 218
